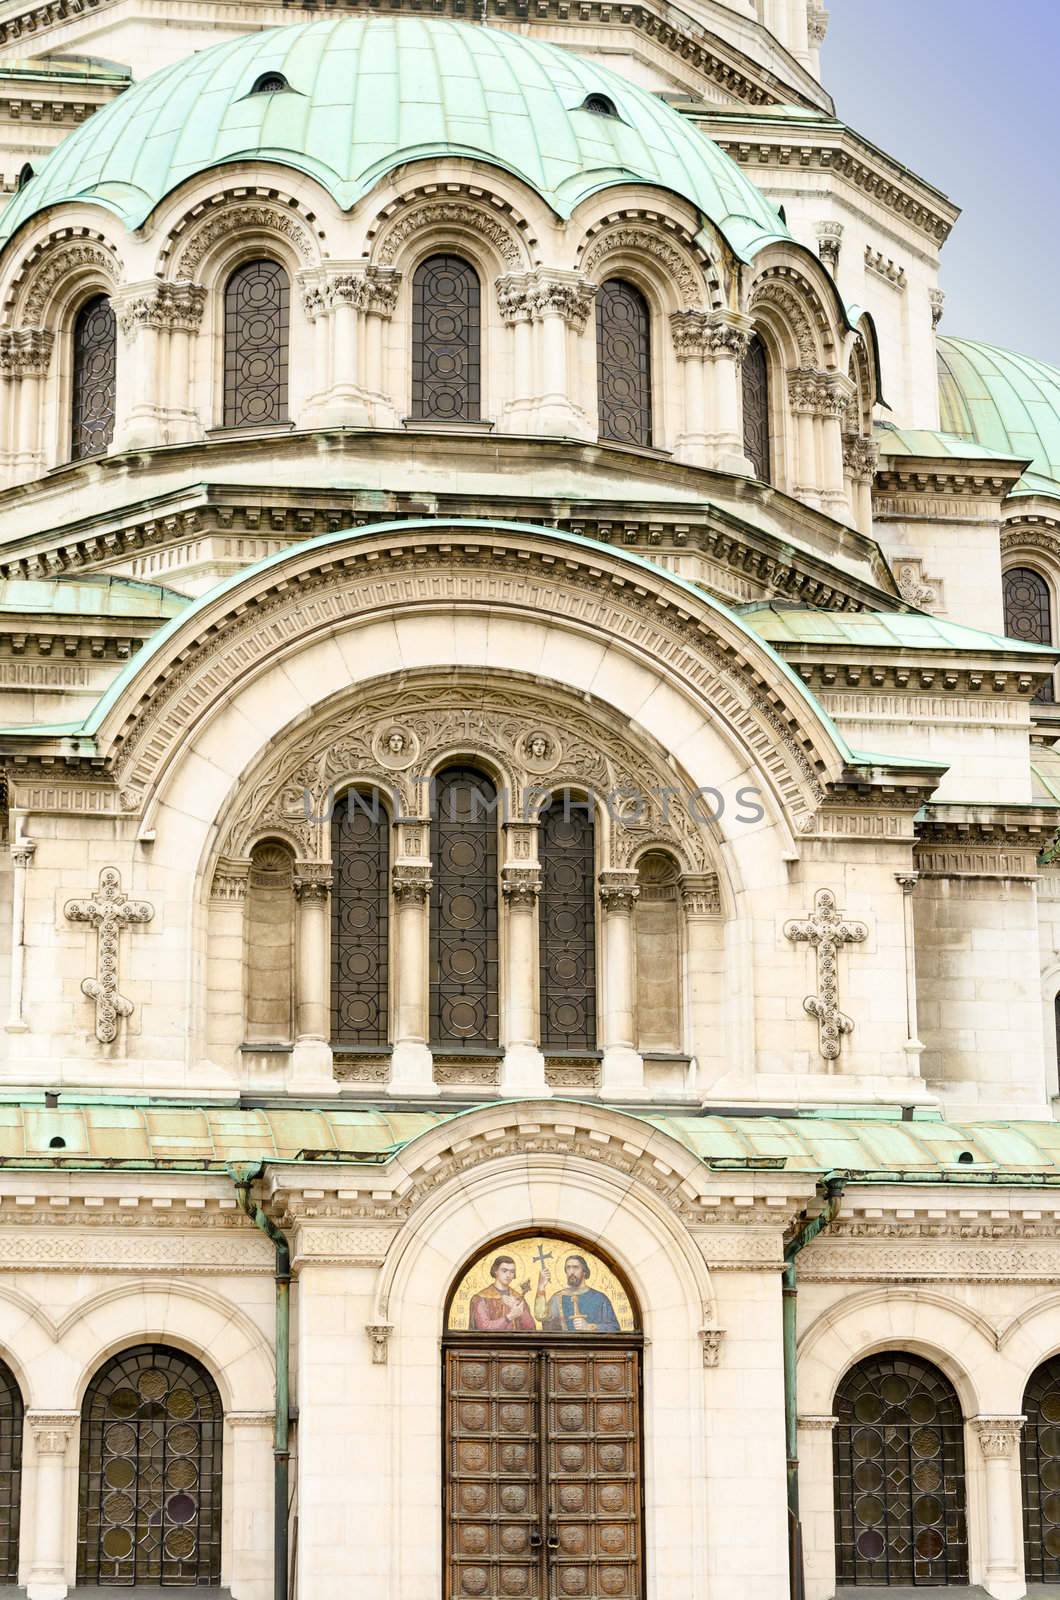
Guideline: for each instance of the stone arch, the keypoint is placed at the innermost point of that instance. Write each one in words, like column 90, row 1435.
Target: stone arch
column 57, row 272
column 861, row 374
column 419, row 221
column 657, row 247
column 212, row 225
column 27, row 1336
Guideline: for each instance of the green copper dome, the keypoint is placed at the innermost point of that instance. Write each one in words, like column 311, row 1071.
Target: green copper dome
column 368, row 94
column 1007, row 402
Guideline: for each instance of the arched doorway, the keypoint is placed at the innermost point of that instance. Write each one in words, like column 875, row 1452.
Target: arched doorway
column 11, row 1411
column 542, row 1427
column 899, row 1475
column 149, row 1494
column 1040, row 1473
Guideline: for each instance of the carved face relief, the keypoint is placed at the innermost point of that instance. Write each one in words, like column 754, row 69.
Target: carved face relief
column 540, row 751
column 396, row 747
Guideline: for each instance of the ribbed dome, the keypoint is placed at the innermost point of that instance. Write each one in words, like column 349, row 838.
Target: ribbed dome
column 366, row 95
column 1005, row 401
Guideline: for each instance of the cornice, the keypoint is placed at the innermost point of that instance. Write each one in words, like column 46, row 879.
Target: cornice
column 966, row 841
column 845, row 670
column 912, row 486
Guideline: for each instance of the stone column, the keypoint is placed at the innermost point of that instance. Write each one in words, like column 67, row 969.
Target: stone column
column 802, row 391
column 411, row 1064
column 860, row 460
column 152, row 317
column 914, row 1049
column 346, row 304
column 688, row 329
column 523, row 1072
column 815, row 1505
column 22, row 852
column 703, row 973
column 52, row 1433
column 25, row 356
column 999, row 1443
column 555, row 302
column 623, row 1068
column 729, row 340
column 819, row 402
column 311, row 1061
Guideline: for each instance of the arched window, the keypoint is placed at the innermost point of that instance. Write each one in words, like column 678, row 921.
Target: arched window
column 567, row 925
column 360, row 920
column 149, row 1495
column 94, row 368
column 756, row 441
column 899, row 1475
column 270, row 945
column 1028, row 612
column 658, row 948
column 463, row 983
column 257, row 336
column 11, row 1412
column 1040, row 1472
column 446, row 341
column 623, row 363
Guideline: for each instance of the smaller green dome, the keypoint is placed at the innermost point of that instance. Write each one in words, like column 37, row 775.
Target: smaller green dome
column 368, row 94
column 1007, row 402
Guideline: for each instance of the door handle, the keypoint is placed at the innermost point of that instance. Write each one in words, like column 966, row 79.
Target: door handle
column 536, row 1540
column 553, row 1540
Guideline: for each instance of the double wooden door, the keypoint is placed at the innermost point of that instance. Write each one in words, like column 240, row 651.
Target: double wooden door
column 543, row 1472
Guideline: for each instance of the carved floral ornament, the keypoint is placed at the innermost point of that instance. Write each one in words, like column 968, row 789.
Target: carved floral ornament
column 798, row 308
column 678, row 265
column 469, row 216
column 197, row 236
column 457, row 566
column 52, row 267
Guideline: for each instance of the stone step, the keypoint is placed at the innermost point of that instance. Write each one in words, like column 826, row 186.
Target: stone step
column 140, row 1593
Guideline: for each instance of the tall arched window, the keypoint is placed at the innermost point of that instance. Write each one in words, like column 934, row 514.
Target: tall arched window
column 446, row 341
column 756, row 441
column 1028, row 614
column 567, row 925
column 623, row 363
column 257, row 337
column 360, row 920
column 94, row 371
column 463, row 986
column 149, row 1493
column 11, row 1412
column 1040, row 1472
column 657, row 925
column 269, row 951
column 898, row 1451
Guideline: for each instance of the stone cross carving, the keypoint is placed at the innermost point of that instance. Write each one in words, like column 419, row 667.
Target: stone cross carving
column 109, row 910
column 826, row 930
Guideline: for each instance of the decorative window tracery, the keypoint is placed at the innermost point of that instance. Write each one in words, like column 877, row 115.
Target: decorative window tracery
column 756, row 438
column 360, row 920
column 94, row 378
column 446, row 341
column 149, row 1495
column 567, row 921
column 256, row 345
column 463, row 938
column 11, row 1418
column 898, row 1461
column 1040, row 1473
column 623, row 363
column 1028, row 613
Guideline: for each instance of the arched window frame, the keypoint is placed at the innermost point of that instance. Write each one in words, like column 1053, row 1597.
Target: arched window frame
column 648, row 406
column 344, row 1041
column 679, row 1050
column 225, row 315
column 255, row 1035
column 758, row 350
column 87, row 304
column 1028, row 562
column 11, row 1431
column 550, row 1043
column 1038, row 1494
column 478, row 343
column 489, row 1042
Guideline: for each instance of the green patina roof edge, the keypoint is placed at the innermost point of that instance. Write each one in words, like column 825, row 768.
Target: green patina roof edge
column 872, row 1144
column 90, row 725
column 978, row 638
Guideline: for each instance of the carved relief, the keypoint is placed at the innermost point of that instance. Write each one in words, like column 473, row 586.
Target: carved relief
column 54, row 266
column 228, row 220
column 827, row 931
column 170, row 306
column 436, row 214
column 790, row 303
column 25, row 352
column 679, row 270
column 108, row 911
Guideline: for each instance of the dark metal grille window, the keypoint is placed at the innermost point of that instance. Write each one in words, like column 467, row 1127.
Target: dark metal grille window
column 463, row 986
column 95, row 365
column 257, row 336
column 567, row 925
column 1040, row 1471
column 898, row 1455
column 446, row 341
column 756, row 443
column 623, row 363
column 1027, row 613
column 360, row 920
column 149, row 1496
column 10, row 1473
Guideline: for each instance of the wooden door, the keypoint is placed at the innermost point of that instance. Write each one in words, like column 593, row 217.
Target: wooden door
column 542, row 1473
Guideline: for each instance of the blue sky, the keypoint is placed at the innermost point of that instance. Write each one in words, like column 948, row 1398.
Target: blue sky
column 967, row 93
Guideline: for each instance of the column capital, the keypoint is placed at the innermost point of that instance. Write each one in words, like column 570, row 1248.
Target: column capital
column 861, row 456
column 700, row 894
column 720, row 335
column 360, row 284
column 619, row 892
column 829, row 242
column 543, row 292
column 822, row 1424
column 312, row 880
column 411, row 882
column 22, row 852
column 52, row 1430
column 907, row 881
column 520, row 885
column 998, row 1436
column 250, row 1419
column 25, row 352
column 157, row 305
column 819, row 394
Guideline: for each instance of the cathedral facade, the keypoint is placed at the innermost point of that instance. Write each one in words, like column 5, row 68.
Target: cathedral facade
column 531, row 916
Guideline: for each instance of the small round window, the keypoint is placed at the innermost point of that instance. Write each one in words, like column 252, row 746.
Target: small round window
column 270, row 83
column 600, row 105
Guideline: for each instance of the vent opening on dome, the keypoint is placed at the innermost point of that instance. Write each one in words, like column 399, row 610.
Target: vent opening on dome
column 24, row 176
column 270, row 83
column 600, row 106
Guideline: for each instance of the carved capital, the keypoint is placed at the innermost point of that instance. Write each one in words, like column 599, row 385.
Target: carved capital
column 22, row 853
column 161, row 306
column 411, row 883
column 379, row 1333
column 907, row 881
column 25, row 352
column 312, row 880
column 719, row 335
column 712, row 1341
column 521, row 885
column 819, row 394
column 861, row 456
column 817, row 26
column 529, row 296
column 701, row 894
column 999, row 1437
column 938, row 305
column 619, row 892
column 829, row 243
column 52, row 1430
column 230, row 880
column 358, row 284
column 818, row 1424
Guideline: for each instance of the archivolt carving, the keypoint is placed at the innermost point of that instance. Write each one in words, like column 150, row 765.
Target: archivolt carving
column 292, row 795
column 52, row 264
column 425, row 215
column 1020, row 537
column 675, row 262
column 798, row 304
column 230, row 219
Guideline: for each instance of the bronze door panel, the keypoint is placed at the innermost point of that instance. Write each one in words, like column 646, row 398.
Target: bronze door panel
column 543, row 1474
